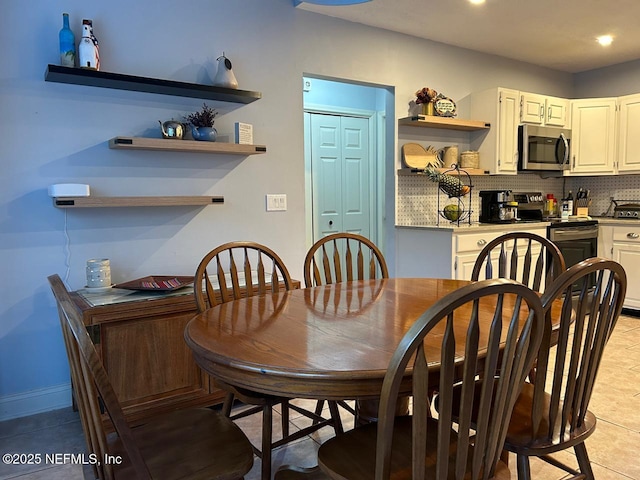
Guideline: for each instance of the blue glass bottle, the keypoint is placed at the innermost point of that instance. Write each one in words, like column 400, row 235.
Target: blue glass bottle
column 67, row 44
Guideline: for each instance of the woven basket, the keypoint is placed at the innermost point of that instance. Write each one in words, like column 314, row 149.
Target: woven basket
column 469, row 159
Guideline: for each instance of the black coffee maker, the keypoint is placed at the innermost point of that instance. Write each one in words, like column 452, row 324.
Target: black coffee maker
column 497, row 206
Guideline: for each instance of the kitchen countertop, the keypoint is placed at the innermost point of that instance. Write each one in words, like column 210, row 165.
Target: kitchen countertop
column 479, row 227
column 492, row 227
column 617, row 221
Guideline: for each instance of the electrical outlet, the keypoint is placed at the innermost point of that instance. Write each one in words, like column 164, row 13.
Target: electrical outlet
column 277, row 202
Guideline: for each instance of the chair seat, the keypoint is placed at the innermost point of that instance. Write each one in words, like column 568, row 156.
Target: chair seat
column 352, row 455
column 169, row 457
column 520, row 435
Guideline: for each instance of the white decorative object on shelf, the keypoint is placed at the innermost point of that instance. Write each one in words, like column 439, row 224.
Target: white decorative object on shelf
column 244, row 133
column 225, row 76
column 89, row 52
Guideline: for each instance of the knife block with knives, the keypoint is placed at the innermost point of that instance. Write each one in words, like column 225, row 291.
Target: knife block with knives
column 583, row 201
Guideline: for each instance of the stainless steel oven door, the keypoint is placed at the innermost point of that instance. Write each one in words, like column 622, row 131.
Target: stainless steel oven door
column 576, row 243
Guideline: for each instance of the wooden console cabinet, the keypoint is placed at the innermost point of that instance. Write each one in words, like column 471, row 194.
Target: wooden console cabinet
column 140, row 339
column 141, row 343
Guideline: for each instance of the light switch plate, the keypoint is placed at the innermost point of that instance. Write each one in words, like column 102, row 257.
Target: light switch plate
column 277, row 202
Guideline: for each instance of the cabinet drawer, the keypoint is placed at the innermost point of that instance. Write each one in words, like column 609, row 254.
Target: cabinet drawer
column 474, row 242
column 627, row 234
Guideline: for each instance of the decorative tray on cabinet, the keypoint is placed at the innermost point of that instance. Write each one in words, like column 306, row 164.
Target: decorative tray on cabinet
column 157, row 283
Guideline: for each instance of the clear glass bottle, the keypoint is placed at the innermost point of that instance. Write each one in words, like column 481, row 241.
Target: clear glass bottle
column 67, row 43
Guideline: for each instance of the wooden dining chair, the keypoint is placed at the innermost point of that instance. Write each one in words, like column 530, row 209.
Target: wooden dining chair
column 523, row 256
column 243, row 269
column 343, row 257
column 446, row 343
column 552, row 414
column 193, row 443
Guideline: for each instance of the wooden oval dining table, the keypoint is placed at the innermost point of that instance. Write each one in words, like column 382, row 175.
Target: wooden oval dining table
column 327, row 342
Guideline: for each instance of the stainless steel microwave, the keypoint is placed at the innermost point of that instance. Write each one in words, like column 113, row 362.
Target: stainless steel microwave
column 543, row 148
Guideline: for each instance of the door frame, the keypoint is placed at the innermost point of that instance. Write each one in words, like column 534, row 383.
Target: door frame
column 376, row 172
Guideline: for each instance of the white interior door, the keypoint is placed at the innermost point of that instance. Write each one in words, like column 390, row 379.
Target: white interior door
column 341, row 175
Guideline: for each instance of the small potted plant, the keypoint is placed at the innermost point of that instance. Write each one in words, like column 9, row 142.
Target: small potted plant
column 425, row 97
column 201, row 123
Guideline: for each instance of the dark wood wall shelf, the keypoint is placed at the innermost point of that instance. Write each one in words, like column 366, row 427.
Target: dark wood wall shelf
column 172, row 145
column 95, row 78
column 164, row 201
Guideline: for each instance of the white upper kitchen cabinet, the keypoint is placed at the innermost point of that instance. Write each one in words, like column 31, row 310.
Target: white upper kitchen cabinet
column 628, row 134
column 593, row 136
column 544, row 110
column 499, row 146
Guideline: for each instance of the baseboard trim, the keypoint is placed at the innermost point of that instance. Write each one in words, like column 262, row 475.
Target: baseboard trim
column 35, row 401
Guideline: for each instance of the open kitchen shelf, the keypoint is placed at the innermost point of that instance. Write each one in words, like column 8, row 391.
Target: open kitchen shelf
column 174, row 145
column 96, row 78
column 163, row 201
column 432, row 121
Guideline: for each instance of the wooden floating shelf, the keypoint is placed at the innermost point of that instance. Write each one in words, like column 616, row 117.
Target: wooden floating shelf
column 173, row 145
column 96, row 78
column 164, row 201
column 470, row 171
column 432, row 121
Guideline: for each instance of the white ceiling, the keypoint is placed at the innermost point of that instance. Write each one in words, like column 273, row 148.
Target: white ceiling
column 558, row 34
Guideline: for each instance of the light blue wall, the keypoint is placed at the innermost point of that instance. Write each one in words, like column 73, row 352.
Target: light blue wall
column 340, row 94
column 55, row 133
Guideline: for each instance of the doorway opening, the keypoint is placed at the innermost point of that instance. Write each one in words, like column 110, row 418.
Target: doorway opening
column 346, row 138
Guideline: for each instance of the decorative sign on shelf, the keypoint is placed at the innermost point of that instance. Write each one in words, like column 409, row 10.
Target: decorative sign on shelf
column 444, row 106
column 244, row 133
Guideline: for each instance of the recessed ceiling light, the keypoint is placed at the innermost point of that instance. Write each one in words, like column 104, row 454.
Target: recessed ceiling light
column 477, row 2
column 604, row 40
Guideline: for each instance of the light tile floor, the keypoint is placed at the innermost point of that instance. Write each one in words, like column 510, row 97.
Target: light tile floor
column 614, row 448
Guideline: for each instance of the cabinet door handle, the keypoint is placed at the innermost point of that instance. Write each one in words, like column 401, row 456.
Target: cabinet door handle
column 482, row 242
column 632, row 235
column 549, row 114
column 541, row 112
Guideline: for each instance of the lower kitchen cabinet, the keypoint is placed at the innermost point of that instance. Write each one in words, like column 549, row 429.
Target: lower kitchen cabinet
column 621, row 242
column 448, row 252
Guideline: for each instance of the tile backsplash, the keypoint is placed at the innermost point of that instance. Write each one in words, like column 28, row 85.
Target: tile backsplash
column 417, row 196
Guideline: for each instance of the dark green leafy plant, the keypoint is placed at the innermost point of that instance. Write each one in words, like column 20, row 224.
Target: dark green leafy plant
column 203, row 118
